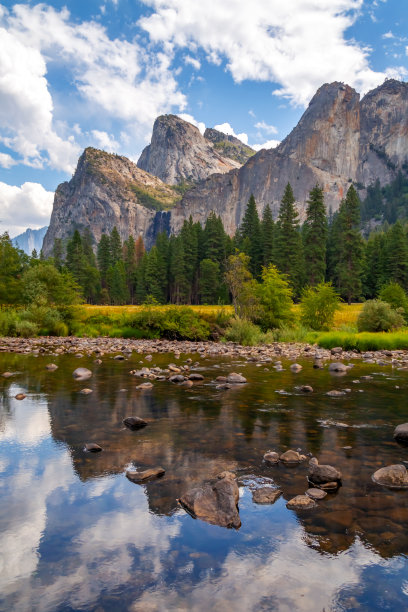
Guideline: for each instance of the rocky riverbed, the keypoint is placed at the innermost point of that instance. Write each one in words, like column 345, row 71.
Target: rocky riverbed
column 263, row 354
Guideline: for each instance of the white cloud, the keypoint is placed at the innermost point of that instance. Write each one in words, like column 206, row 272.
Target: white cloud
column 388, row 34
column 6, row 161
column 105, row 141
column 269, row 144
column 298, row 44
column 226, row 128
column 27, row 206
column 199, row 124
column 26, row 108
column 269, row 129
column 111, row 78
column 195, row 63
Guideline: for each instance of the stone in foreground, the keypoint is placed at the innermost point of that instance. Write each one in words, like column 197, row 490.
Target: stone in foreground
column 291, row 456
column 134, row 422
column 337, row 366
column 215, row 503
column 322, row 474
column 141, row 477
column 316, row 493
column 401, row 433
column 271, row 457
column 91, row 447
column 82, row 374
column 236, row 379
column 266, row 495
column 392, row 476
column 301, row 502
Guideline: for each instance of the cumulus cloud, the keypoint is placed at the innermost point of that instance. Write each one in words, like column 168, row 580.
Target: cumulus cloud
column 226, row 128
column 105, row 141
column 6, row 161
column 269, row 144
column 270, row 40
column 199, row 124
column 195, row 63
column 265, row 127
column 27, row 206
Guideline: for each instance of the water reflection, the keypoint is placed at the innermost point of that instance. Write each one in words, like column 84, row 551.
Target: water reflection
column 76, row 534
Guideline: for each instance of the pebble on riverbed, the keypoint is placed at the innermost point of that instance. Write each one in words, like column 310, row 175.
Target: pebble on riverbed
column 301, row 502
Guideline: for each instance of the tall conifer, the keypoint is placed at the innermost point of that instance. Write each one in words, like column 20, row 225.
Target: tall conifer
column 315, row 237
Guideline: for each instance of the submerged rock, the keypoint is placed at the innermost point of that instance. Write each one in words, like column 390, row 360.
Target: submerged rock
column 337, row 366
column 144, row 386
column 316, row 493
column 86, row 391
column 301, row 502
column 140, row 477
column 20, row 396
column 134, row 422
column 306, row 389
column 235, row 379
column 196, row 376
column 291, row 456
column 335, row 393
column 296, row 367
column 51, row 367
column 7, row 374
column 91, row 447
column 82, row 374
column 266, row 495
column 177, row 378
column 271, row 457
column 401, row 433
column 215, row 503
column 392, row 476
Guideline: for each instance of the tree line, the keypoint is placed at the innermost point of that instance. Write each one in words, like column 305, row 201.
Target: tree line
column 193, row 267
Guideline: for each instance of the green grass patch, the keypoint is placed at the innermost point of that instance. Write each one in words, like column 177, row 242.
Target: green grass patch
column 364, row 341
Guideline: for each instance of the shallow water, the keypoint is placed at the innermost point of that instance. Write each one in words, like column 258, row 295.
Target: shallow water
column 75, row 534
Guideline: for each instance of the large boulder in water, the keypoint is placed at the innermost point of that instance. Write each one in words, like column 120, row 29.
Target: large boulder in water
column 392, row 476
column 134, row 422
column 82, row 374
column 215, row 503
column 401, row 433
column 322, row 474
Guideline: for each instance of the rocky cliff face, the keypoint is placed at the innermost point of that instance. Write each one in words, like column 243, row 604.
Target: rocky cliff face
column 339, row 139
column 178, row 153
column 228, row 146
column 107, row 191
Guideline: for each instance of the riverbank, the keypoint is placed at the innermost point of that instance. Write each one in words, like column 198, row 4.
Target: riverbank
column 123, row 348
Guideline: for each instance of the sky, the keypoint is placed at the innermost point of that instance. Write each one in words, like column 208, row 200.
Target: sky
column 98, row 72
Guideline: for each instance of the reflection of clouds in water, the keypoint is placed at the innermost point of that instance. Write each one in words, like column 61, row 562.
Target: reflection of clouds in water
column 102, row 557
column 293, row 577
column 29, row 422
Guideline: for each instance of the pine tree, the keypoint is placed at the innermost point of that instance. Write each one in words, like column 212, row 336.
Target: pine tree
column 162, row 245
column 115, row 246
column 139, row 249
column 289, row 254
column 350, row 247
column 75, row 260
column 178, row 281
column 268, row 235
column 209, row 281
column 104, row 258
column 214, row 239
column 374, row 273
column 129, row 259
column 250, row 233
column 140, row 289
column 397, row 255
column 189, row 239
column 58, row 254
column 154, row 279
column 315, row 237
column 117, row 283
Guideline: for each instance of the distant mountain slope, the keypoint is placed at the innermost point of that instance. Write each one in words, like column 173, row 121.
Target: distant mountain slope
column 229, row 146
column 30, row 240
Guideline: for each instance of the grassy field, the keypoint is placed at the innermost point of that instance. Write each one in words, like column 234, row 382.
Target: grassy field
column 347, row 316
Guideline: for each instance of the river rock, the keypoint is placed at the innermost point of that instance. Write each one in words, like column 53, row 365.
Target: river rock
column 91, row 447
column 51, row 367
column 176, row 378
column 134, row 422
column 393, row 476
column 236, row 379
column 401, row 433
column 306, row 389
column 7, row 374
column 291, row 456
column 337, row 366
column 86, row 391
column 321, row 474
column 140, row 477
column 215, row 503
column 223, row 387
column 82, row 374
column 187, row 383
column 266, row 495
column 316, row 493
column 336, row 350
column 20, row 396
column 301, row 502
column 196, row 376
column 271, row 457
column 295, row 367
column 119, row 357
column 335, row 393
column 144, row 386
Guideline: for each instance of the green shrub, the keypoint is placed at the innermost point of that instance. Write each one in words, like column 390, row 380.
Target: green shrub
column 275, row 296
column 8, row 319
column 377, row 316
column 243, row 332
column 26, row 329
column 318, row 306
column 173, row 323
column 395, row 296
column 288, row 333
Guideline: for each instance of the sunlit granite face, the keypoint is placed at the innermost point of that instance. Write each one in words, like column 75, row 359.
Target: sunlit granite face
column 76, row 534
